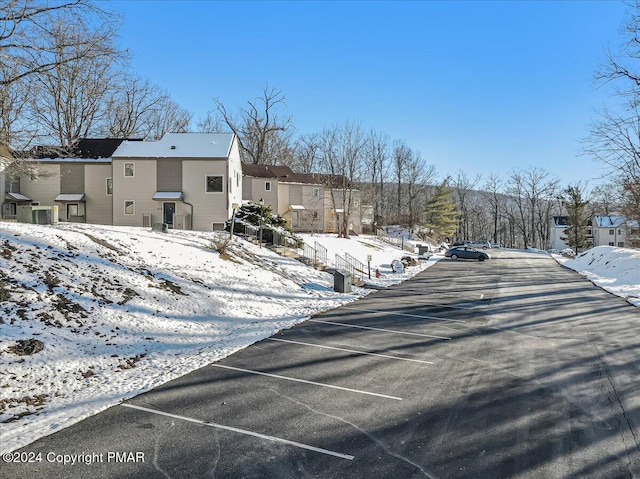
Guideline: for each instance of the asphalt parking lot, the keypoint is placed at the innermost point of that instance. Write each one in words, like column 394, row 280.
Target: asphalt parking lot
column 497, row 369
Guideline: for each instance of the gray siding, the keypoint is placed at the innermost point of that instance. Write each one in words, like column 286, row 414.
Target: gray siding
column 11, row 183
column 72, row 178
column 169, row 175
column 295, row 194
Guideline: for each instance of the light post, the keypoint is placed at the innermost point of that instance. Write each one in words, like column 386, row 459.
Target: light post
column 261, row 219
column 234, row 207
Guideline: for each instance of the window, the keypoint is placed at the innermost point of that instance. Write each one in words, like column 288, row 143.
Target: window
column 109, row 186
column 129, row 169
column 619, row 232
column 611, row 233
column 267, row 186
column 129, row 207
column 316, row 192
column 72, row 210
column 214, row 184
column 621, row 244
column 611, row 243
column 315, row 215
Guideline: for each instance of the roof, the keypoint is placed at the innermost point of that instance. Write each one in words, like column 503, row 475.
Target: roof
column 70, row 197
column 100, row 161
column 283, row 174
column 17, row 196
column 99, row 147
column 610, row 221
column 167, row 195
column 179, row 145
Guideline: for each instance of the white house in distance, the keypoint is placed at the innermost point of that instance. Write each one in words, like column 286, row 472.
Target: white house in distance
column 186, row 180
column 605, row 230
column 614, row 230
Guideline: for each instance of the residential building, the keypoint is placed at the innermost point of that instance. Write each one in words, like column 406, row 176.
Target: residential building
column 185, row 180
column 558, row 235
column 305, row 200
column 615, row 230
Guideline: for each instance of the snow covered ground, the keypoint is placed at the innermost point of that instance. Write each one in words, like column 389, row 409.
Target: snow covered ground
column 122, row 310
column 616, row 270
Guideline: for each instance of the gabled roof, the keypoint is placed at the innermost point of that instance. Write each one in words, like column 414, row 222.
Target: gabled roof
column 610, row 221
column 179, row 145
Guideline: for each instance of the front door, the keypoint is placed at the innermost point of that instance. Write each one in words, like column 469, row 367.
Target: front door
column 169, row 210
column 72, row 210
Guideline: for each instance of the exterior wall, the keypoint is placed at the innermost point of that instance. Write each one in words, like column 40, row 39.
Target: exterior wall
column 208, row 208
column 72, row 178
column 234, row 166
column 602, row 236
column 99, row 205
column 45, row 187
column 302, row 194
column 253, row 190
column 333, row 221
column 140, row 188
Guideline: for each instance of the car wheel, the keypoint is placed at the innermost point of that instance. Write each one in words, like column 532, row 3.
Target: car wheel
column 454, row 257
column 481, row 258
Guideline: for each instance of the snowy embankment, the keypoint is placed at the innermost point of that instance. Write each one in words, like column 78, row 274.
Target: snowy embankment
column 107, row 313
column 616, row 270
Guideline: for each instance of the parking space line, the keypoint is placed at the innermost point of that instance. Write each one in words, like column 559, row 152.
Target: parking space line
column 434, row 318
column 347, row 325
column 242, row 431
column 260, row 373
column 351, row 351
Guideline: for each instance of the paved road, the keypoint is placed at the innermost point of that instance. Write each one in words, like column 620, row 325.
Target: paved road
column 511, row 368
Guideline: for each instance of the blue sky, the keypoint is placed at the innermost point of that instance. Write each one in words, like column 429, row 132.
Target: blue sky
column 484, row 87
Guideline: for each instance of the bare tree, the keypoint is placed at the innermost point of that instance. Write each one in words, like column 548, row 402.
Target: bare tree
column 134, row 107
column 306, row 153
column 615, row 138
column 377, row 167
column 418, row 176
column 169, row 117
column 464, row 189
column 25, row 30
column 495, row 201
column 68, row 101
column 342, row 150
column 400, row 157
column 212, row 123
column 262, row 134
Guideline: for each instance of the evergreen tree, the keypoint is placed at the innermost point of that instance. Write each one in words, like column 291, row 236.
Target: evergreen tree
column 441, row 215
column 576, row 230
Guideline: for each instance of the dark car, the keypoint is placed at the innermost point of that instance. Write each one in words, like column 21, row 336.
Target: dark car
column 466, row 252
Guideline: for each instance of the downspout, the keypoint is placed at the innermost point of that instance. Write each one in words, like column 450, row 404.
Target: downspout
column 191, row 221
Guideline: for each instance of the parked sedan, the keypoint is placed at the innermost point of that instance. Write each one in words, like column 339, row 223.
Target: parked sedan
column 466, row 252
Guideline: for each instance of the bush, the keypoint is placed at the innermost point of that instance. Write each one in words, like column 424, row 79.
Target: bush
column 220, row 244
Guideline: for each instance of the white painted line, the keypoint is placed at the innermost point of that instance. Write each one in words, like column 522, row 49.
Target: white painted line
column 306, row 382
column 241, row 431
column 347, row 325
column 351, row 351
column 435, row 318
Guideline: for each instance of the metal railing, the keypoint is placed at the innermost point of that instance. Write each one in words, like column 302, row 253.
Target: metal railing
column 321, row 253
column 358, row 267
column 343, row 265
